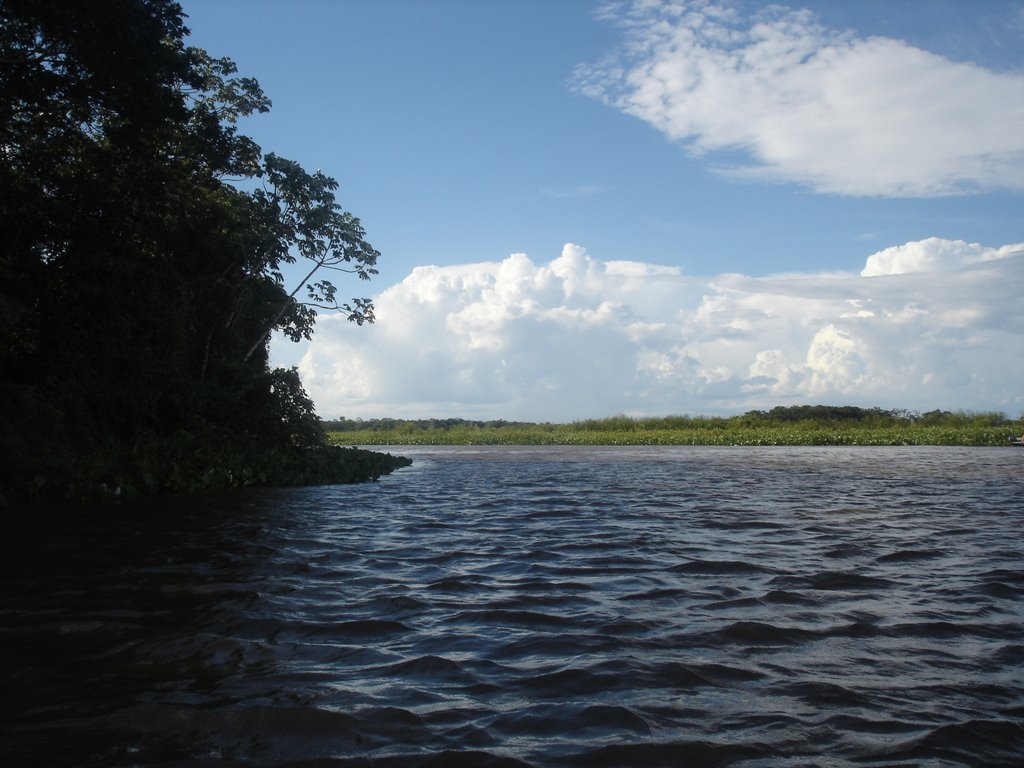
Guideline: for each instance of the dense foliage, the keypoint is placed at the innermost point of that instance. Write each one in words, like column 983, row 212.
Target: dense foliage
column 789, row 425
column 144, row 241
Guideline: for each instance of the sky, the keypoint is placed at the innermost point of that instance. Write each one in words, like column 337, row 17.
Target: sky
column 647, row 208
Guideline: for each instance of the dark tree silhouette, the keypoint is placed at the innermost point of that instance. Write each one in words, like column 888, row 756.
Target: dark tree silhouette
column 140, row 282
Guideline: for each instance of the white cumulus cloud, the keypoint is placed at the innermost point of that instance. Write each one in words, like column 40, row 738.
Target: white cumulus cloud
column 827, row 109
column 929, row 324
column 931, row 255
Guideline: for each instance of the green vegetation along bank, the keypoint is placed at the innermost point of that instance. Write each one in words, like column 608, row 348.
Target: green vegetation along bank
column 792, row 425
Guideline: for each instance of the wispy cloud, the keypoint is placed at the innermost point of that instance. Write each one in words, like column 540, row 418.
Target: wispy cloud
column 929, row 324
column 838, row 113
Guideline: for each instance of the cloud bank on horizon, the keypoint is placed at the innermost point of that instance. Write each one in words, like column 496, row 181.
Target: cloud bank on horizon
column 765, row 96
column 928, row 324
column 835, row 112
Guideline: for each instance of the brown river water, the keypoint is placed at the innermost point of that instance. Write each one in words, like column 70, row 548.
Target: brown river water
column 540, row 607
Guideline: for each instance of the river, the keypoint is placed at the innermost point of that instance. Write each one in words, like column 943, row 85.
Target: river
column 540, row 607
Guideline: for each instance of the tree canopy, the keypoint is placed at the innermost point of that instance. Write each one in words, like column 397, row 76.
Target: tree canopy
column 144, row 245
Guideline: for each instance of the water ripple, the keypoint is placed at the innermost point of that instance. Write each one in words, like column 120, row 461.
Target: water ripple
column 544, row 607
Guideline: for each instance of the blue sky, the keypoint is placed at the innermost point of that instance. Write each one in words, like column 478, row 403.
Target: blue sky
column 722, row 206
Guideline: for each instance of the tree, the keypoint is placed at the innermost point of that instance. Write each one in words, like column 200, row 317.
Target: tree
column 302, row 217
column 139, row 279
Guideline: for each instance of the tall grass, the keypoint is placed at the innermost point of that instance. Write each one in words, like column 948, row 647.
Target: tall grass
column 785, row 427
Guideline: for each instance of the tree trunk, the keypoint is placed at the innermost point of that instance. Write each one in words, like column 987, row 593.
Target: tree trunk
column 273, row 321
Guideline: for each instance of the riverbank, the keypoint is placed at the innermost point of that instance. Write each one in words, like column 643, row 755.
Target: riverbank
column 861, row 427
column 189, row 466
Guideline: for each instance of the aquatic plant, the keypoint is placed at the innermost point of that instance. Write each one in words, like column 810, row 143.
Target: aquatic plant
column 809, row 425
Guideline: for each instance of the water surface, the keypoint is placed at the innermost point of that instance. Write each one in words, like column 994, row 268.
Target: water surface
column 536, row 606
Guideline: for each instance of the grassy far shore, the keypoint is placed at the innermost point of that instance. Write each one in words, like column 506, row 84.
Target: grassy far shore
column 794, row 425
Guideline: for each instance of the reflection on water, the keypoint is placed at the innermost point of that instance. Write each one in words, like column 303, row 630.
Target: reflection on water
column 536, row 606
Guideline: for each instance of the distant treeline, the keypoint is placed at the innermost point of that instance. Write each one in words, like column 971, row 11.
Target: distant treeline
column 823, row 414
column 784, row 425
column 387, row 425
